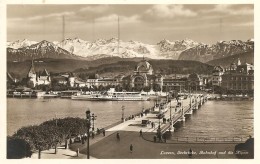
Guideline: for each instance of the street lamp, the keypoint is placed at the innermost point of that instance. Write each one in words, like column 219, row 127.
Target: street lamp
column 170, row 115
column 123, row 117
column 88, row 117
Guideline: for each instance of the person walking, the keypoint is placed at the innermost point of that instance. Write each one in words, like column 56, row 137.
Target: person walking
column 93, row 135
column 154, row 138
column 118, row 136
column 141, row 133
column 104, row 133
column 190, row 153
column 131, row 148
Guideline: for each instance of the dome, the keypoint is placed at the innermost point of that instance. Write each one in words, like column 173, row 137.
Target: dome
column 143, row 66
column 194, row 76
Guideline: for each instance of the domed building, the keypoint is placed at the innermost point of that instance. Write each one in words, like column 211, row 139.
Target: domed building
column 144, row 76
column 144, row 68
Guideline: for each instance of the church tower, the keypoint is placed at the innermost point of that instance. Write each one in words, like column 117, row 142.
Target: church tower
column 32, row 75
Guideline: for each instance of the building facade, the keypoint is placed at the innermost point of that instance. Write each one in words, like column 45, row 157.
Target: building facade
column 38, row 78
column 239, row 78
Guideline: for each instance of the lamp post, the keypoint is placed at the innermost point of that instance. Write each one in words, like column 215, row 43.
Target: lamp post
column 170, row 116
column 190, row 97
column 123, row 117
column 88, row 117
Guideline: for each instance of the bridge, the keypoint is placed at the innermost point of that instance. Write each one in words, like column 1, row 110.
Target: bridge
column 179, row 115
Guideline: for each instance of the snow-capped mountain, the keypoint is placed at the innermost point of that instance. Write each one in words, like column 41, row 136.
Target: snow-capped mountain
column 186, row 49
column 165, row 49
column 105, row 48
column 20, row 43
column 43, row 49
column 221, row 49
column 173, row 49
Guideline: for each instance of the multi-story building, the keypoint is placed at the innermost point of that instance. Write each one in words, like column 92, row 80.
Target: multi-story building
column 176, row 84
column 217, row 73
column 239, row 79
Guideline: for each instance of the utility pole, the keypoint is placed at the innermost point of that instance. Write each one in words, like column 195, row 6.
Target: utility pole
column 118, row 32
column 63, row 27
column 88, row 118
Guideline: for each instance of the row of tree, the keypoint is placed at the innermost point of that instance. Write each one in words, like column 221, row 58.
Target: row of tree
column 43, row 137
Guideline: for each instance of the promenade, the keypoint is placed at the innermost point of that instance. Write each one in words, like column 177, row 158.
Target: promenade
column 144, row 147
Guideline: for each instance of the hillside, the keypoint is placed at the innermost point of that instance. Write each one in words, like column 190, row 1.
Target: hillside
column 159, row 66
column 107, row 66
column 247, row 57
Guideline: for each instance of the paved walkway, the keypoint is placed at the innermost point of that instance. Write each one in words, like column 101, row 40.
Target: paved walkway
column 111, row 148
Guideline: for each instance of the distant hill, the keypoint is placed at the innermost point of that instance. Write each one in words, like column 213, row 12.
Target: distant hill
column 107, row 66
column 20, row 68
column 247, row 57
column 159, row 66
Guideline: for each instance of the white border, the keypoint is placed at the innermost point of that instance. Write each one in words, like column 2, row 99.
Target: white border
column 3, row 75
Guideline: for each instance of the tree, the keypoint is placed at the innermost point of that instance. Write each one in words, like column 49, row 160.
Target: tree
column 118, row 88
column 17, row 148
column 47, row 134
column 147, row 88
column 101, row 88
column 156, row 87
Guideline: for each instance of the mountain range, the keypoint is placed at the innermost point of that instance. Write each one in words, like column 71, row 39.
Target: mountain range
column 76, row 48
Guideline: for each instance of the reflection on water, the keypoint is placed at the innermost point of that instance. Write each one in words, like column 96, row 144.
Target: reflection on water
column 214, row 119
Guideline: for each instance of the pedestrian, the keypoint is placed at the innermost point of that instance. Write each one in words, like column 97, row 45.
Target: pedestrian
column 77, row 152
column 141, row 133
column 118, row 136
column 131, row 148
column 93, row 135
column 190, row 153
column 154, row 138
column 104, row 133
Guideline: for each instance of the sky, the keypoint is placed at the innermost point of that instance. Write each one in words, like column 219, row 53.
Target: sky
column 148, row 23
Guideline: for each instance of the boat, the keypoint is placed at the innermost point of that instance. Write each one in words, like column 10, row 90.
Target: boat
column 49, row 95
column 68, row 93
column 112, row 95
column 86, row 96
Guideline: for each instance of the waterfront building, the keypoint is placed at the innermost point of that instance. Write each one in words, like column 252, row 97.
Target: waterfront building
column 174, row 83
column 144, row 76
column 59, row 79
column 239, row 78
column 38, row 78
column 217, row 73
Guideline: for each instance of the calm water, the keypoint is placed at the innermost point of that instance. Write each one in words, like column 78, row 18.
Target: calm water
column 214, row 119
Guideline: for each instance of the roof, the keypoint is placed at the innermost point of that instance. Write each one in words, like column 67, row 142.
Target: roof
column 45, row 73
column 143, row 66
column 32, row 70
